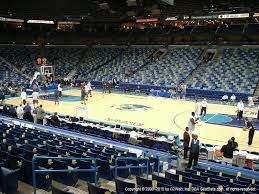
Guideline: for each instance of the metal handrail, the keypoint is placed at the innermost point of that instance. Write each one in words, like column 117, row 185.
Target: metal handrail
column 34, row 171
column 116, row 167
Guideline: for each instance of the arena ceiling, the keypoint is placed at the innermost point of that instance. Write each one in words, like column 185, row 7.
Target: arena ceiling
column 116, row 10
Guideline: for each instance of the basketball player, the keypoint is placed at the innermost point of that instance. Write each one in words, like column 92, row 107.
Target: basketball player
column 56, row 96
column 89, row 88
column 60, row 90
column 45, row 86
column 192, row 122
column 23, row 96
column 83, row 96
column 197, row 108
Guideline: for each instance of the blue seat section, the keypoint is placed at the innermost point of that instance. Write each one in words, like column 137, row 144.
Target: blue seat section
column 129, row 60
column 63, row 59
column 7, row 75
column 20, row 144
column 23, row 57
column 171, row 70
column 92, row 58
column 237, row 71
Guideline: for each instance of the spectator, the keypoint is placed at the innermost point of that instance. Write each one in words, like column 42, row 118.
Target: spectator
column 40, row 115
column 12, row 111
column 133, row 137
column 227, row 152
column 5, row 110
column 55, row 120
column 34, row 114
column 19, row 112
column 235, row 144
column 35, row 96
column 186, row 142
column 2, row 96
column 27, row 113
column 225, row 98
column 194, row 146
column 233, row 98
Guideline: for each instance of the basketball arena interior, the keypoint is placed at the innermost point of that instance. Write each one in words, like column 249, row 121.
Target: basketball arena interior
column 129, row 97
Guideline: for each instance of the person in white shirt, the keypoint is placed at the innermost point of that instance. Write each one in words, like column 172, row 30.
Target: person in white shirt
column 197, row 108
column 225, row 98
column 19, row 112
column 60, row 90
column 35, row 96
column 133, row 137
column 233, row 98
column 240, row 109
column 23, row 96
column 86, row 91
column 89, row 88
column 192, row 122
column 204, row 106
column 250, row 101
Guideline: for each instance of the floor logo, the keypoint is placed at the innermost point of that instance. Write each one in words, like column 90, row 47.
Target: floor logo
column 132, row 107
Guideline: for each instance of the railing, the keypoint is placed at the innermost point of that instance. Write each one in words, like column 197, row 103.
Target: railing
column 34, row 171
column 169, row 161
column 116, row 167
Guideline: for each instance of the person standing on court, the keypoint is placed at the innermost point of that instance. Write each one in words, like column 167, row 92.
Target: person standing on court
column 195, row 146
column 192, row 122
column 197, row 108
column 89, row 89
column 56, row 96
column 186, row 142
column 250, row 127
column 23, row 97
column 240, row 110
column 258, row 112
column 204, row 105
column 60, row 88
column 83, row 96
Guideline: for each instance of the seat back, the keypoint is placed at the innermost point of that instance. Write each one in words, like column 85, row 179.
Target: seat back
column 142, row 182
column 8, row 180
column 92, row 189
column 59, row 191
column 121, row 185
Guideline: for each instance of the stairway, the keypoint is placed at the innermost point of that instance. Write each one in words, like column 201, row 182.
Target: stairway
column 256, row 92
column 148, row 61
column 72, row 73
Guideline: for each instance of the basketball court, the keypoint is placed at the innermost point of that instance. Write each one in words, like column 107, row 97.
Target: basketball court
column 164, row 114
